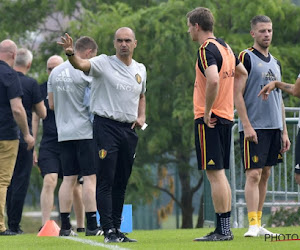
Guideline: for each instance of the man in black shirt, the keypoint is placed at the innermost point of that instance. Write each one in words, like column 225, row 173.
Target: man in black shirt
column 12, row 115
column 32, row 101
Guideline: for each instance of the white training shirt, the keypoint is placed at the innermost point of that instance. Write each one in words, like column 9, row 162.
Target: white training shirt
column 71, row 115
column 116, row 88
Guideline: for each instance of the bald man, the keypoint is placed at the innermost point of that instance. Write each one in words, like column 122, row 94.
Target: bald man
column 118, row 102
column 12, row 116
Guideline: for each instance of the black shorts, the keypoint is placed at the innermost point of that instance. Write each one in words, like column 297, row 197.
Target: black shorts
column 297, row 153
column 265, row 153
column 49, row 160
column 77, row 157
column 212, row 145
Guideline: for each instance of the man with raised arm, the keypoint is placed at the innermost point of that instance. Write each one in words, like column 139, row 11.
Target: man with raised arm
column 118, row 103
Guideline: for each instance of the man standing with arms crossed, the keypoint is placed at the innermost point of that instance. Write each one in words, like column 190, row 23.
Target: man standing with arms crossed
column 118, row 102
column 263, row 133
column 12, row 115
column 49, row 157
column 33, row 102
column 66, row 89
column 217, row 71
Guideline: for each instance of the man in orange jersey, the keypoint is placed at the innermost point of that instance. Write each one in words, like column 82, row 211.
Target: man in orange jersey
column 263, row 133
column 217, row 72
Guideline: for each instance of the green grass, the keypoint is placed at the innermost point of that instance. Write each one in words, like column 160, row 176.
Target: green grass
column 176, row 239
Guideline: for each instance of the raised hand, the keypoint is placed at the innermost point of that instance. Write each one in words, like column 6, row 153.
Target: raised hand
column 67, row 44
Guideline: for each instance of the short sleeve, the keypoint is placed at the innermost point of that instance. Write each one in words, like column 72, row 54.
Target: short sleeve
column 13, row 84
column 97, row 65
column 36, row 92
column 49, row 84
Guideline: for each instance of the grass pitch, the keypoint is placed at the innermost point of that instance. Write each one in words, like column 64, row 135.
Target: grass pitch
column 177, row 239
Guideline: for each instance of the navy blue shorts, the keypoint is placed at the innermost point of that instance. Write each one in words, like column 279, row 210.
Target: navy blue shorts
column 77, row 157
column 297, row 153
column 49, row 160
column 212, row 145
column 265, row 153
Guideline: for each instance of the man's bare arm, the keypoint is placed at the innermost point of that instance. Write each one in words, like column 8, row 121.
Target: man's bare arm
column 292, row 89
column 50, row 100
column 40, row 109
column 35, row 129
column 141, row 112
column 212, row 88
column 20, row 117
column 240, row 79
column 285, row 142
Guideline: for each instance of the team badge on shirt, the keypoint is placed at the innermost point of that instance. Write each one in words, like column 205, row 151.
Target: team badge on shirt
column 102, row 154
column 138, row 78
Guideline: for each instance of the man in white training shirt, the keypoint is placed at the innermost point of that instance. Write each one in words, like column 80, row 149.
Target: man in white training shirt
column 118, row 102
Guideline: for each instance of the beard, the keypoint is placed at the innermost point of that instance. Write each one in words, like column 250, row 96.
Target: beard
column 264, row 45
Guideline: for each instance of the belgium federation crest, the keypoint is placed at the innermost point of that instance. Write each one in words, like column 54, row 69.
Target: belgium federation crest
column 255, row 159
column 138, row 78
column 102, row 154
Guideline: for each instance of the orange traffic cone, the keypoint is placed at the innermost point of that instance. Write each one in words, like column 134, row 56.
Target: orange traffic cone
column 49, row 229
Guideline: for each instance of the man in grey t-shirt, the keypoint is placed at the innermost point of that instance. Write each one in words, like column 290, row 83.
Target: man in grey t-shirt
column 118, row 102
column 66, row 91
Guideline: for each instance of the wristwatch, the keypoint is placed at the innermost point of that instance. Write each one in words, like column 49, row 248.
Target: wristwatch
column 68, row 55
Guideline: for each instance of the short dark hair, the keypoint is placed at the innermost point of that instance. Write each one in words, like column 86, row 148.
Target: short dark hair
column 203, row 17
column 84, row 43
column 260, row 19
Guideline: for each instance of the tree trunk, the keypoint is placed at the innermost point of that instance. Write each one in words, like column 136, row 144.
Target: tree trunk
column 186, row 198
column 200, row 221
